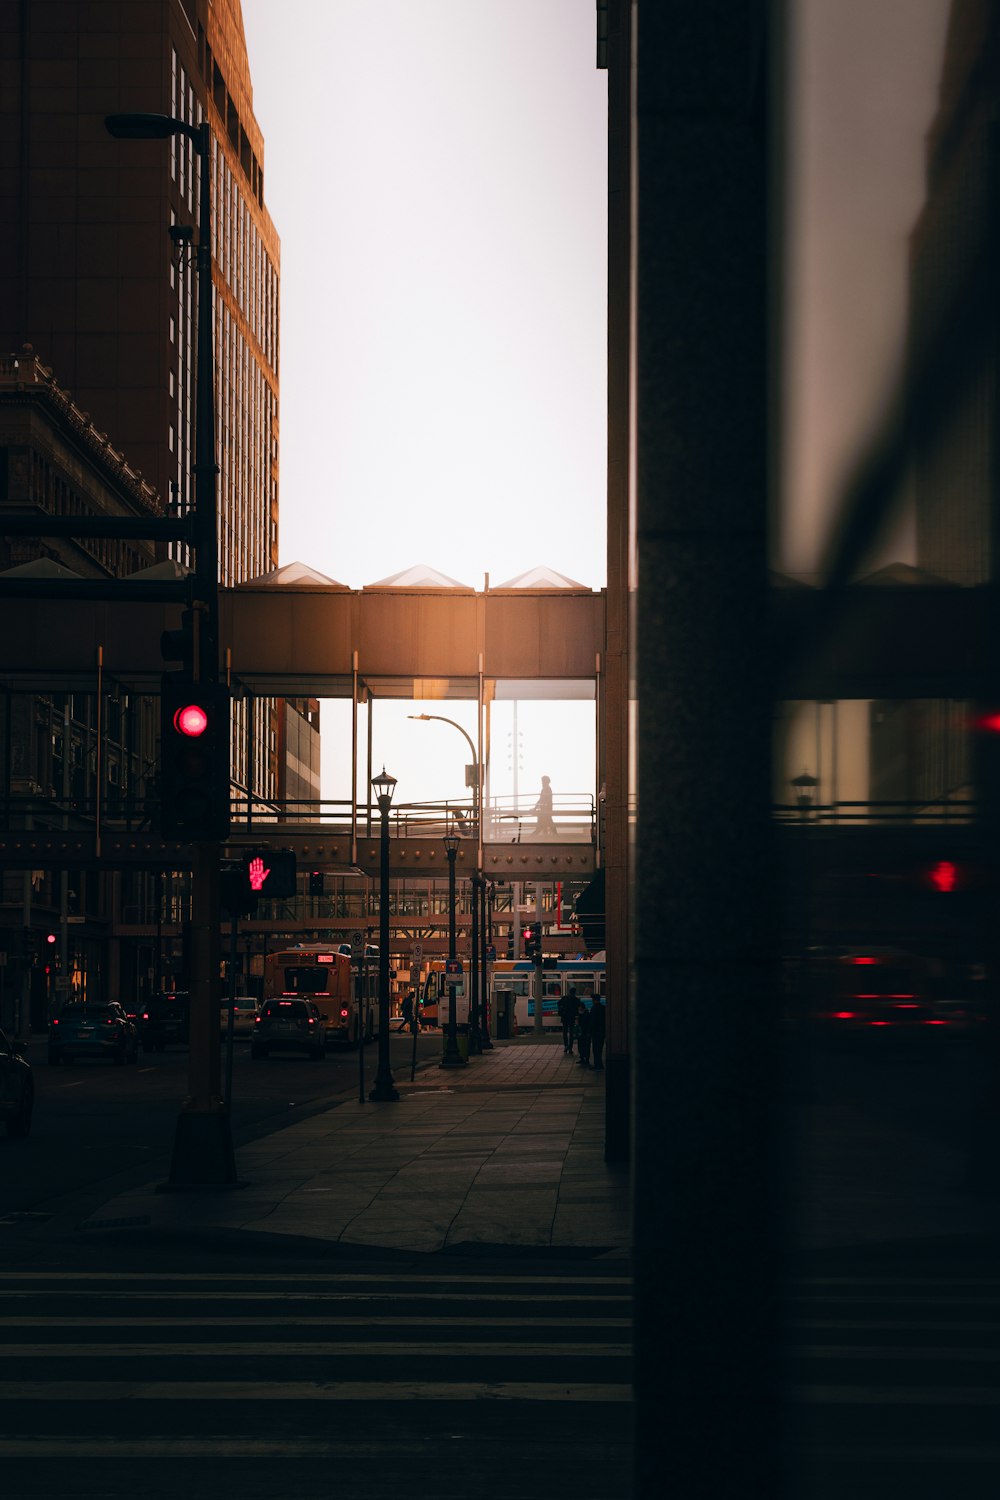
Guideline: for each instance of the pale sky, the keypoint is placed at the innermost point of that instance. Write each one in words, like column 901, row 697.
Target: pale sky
column 437, row 174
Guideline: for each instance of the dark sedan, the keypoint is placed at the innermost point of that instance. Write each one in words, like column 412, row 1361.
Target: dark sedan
column 17, row 1088
column 166, row 1021
column 86, row 1029
column 288, row 1026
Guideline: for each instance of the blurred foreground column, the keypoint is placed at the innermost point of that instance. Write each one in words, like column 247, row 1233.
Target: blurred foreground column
column 705, row 1035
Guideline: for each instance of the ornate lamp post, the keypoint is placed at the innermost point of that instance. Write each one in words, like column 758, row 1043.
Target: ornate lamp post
column 452, row 1057
column 384, row 1090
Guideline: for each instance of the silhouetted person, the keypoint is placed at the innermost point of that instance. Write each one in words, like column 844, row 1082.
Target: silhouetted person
column 545, row 827
column 569, row 1006
column 583, row 1035
column 598, row 1020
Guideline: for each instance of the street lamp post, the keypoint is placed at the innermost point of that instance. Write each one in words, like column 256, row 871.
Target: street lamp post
column 203, row 1147
column 477, row 986
column 384, row 1090
column 452, row 1057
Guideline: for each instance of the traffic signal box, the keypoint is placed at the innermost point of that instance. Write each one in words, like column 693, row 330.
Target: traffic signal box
column 194, row 759
column 531, row 938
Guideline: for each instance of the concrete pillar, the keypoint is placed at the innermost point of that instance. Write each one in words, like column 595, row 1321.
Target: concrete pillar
column 705, row 1013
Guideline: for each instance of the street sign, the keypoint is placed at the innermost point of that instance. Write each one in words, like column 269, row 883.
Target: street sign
column 414, row 973
column 491, row 954
column 357, row 944
column 417, row 949
column 453, row 966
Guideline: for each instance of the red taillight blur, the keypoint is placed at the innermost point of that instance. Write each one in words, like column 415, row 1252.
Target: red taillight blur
column 145, row 1015
column 863, row 960
column 844, row 1015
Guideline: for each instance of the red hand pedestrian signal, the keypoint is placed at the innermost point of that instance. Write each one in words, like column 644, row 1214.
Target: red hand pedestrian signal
column 257, row 874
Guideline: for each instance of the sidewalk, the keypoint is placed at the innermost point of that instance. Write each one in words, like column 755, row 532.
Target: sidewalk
column 507, row 1151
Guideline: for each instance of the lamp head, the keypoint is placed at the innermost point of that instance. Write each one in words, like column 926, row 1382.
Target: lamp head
column 384, row 786
column 143, row 127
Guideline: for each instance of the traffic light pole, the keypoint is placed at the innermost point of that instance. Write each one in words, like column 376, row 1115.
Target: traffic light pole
column 203, row 1147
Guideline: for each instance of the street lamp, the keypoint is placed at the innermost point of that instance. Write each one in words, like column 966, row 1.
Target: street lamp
column 384, row 1090
column 452, row 1057
column 203, row 1145
column 476, row 988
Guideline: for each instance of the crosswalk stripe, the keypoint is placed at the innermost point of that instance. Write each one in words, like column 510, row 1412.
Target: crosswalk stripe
column 209, row 1324
column 289, row 1348
column 21, row 1391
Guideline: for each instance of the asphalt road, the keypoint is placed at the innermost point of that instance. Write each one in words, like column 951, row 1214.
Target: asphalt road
column 98, row 1129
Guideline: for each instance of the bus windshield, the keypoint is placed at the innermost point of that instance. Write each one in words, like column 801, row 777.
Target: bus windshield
column 303, row 981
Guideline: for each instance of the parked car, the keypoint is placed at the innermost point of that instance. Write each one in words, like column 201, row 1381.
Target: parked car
column 244, row 1015
column 17, row 1087
column 166, row 1021
column 288, row 1026
column 84, row 1028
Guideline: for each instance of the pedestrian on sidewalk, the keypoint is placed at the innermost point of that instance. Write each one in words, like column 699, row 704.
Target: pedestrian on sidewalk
column 569, row 1006
column 406, row 1010
column 598, row 1020
column 583, row 1036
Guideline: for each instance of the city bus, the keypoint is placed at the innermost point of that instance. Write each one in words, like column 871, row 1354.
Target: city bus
column 513, row 995
column 325, row 975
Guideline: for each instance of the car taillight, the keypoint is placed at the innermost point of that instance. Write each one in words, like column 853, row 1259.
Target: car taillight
column 312, row 1020
column 145, row 1015
column 256, row 1020
column 55, row 1020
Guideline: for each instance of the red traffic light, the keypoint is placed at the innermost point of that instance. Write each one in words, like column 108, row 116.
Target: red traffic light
column 191, row 719
column 50, row 937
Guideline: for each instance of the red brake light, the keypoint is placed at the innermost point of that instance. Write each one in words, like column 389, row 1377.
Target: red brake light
column 843, row 1015
column 864, row 960
column 55, row 1020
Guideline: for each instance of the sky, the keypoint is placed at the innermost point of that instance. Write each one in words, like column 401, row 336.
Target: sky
column 437, row 174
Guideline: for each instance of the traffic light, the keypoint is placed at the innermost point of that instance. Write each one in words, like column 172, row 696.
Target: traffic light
column 316, row 882
column 531, row 937
column 194, row 759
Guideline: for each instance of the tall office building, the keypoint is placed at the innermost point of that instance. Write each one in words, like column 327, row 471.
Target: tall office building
column 91, row 277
